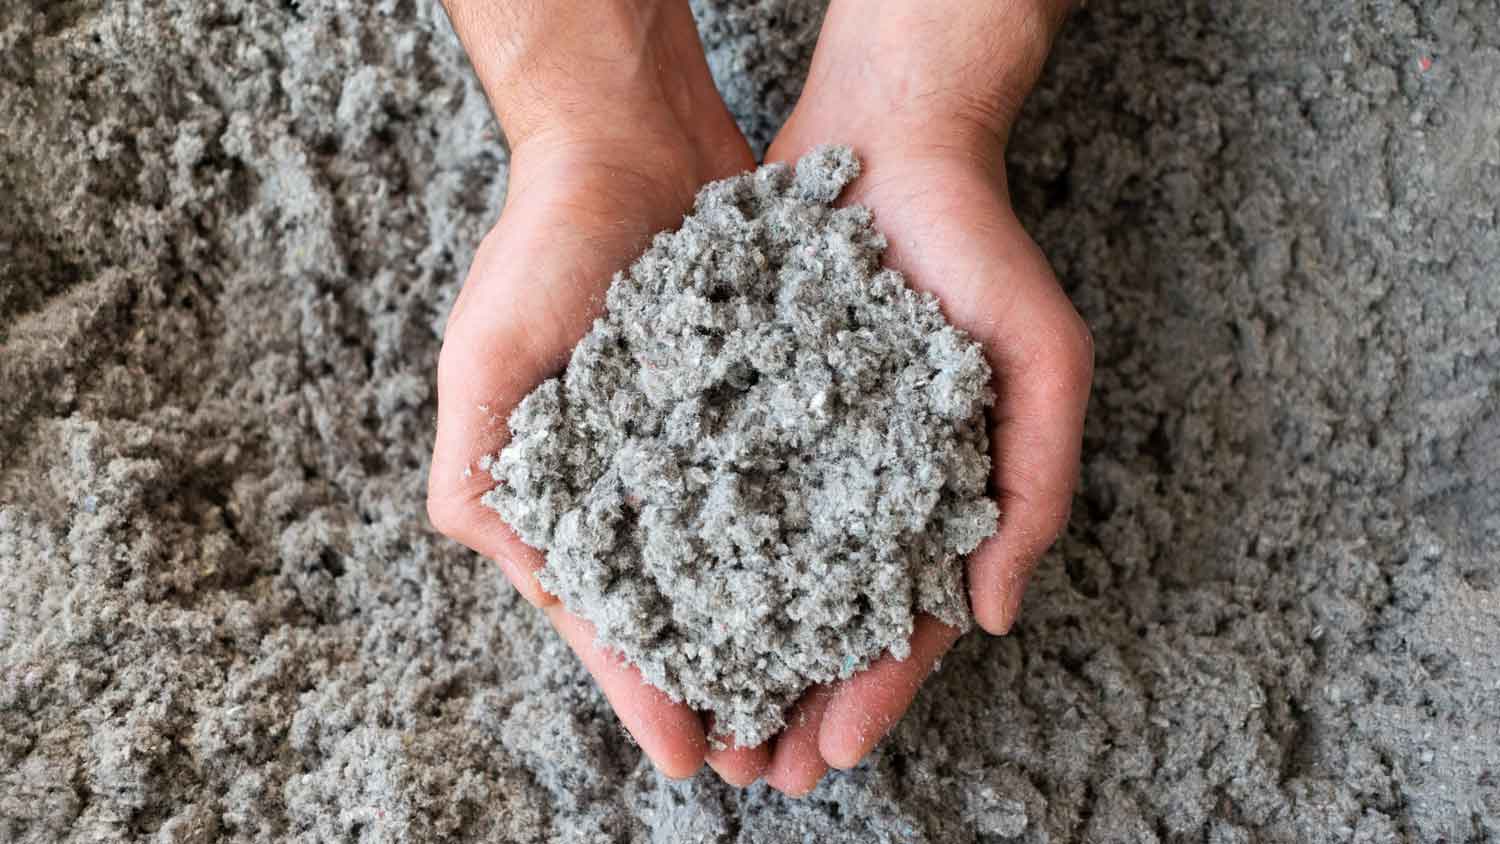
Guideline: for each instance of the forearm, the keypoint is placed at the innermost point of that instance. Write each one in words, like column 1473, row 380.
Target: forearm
column 601, row 67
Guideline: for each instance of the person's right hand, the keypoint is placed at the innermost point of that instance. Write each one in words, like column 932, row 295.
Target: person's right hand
column 597, row 168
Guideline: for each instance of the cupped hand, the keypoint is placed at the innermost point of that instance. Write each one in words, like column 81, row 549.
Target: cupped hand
column 614, row 125
column 585, row 196
column 577, row 211
column 932, row 149
column 580, row 207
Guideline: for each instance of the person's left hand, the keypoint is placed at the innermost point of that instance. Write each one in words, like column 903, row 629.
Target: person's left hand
column 933, row 174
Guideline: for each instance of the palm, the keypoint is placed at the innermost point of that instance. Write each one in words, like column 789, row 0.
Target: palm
column 576, row 216
column 572, row 219
column 952, row 233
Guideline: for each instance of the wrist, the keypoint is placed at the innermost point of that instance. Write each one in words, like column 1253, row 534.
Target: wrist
column 607, row 69
column 944, row 73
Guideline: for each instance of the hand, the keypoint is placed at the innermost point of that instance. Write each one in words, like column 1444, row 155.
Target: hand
column 926, row 96
column 597, row 167
column 611, row 149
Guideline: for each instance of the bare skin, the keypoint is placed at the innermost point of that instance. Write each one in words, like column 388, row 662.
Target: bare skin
column 614, row 123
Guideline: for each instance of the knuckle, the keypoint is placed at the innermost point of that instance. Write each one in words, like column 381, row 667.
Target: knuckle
column 450, row 366
column 1069, row 355
column 442, row 513
column 1056, row 521
column 1048, row 510
column 1051, row 523
column 1085, row 342
column 1078, row 353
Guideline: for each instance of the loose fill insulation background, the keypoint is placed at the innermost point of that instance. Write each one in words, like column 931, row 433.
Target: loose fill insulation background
column 229, row 234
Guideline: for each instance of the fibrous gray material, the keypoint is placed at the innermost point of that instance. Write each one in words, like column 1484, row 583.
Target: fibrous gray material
column 229, row 234
column 759, row 52
column 764, row 459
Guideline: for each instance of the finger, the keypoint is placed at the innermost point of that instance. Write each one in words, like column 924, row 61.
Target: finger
column 1042, row 386
column 667, row 731
column 866, row 706
column 739, row 766
column 797, row 766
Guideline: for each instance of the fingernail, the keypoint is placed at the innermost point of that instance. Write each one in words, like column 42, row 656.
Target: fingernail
column 678, row 775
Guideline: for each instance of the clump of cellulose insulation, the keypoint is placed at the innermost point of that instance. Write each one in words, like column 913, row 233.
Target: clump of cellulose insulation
column 764, row 459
